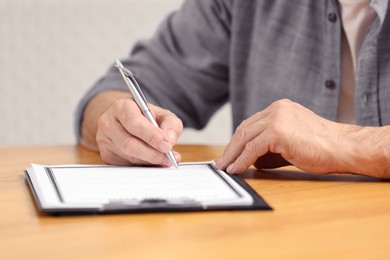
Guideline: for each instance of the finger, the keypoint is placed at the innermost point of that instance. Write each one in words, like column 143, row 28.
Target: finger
column 253, row 150
column 116, row 158
column 126, row 145
column 177, row 156
column 106, row 150
column 170, row 124
column 136, row 150
column 110, row 157
column 258, row 116
column 113, row 154
column 138, row 125
column 244, row 134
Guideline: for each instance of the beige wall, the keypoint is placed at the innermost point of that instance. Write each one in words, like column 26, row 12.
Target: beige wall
column 51, row 51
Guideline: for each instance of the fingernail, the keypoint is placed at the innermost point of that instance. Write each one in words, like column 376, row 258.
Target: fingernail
column 177, row 157
column 219, row 163
column 230, row 169
column 172, row 135
column 164, row 146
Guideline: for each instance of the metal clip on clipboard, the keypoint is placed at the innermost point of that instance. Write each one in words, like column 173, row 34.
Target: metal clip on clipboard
column 149, row 204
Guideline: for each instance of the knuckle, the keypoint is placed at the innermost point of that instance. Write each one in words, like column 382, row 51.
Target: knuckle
column 251, row 147
column 243, row 124
column 274, row 128
column 284, row 101
column 117, row 105
column 100, row 139
column 281, row 104
column 129, row 145
column 278, row 130
column 171, row 121
column 130, row 122
column 241, row 132
column 102, row 122
column 129, row 118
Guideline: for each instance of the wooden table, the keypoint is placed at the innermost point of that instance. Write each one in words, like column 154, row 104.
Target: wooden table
column 314, row 217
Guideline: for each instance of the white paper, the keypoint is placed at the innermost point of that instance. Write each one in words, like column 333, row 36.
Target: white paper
column 96, row 185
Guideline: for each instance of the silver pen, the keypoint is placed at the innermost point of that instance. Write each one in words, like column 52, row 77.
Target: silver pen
column 141, row 101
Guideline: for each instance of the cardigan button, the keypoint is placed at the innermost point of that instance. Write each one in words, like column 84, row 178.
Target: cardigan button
column 330, row 84
column 332, row 17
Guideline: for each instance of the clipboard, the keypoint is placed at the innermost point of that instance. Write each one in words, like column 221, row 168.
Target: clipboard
column 103, row 189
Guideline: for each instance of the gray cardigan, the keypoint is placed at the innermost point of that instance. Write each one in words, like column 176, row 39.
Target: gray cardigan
column 251, row 53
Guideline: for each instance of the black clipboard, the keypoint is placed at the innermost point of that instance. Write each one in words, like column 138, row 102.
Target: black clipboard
column 140, row 206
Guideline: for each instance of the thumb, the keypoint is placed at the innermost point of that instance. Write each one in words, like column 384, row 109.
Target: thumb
column 169, row 123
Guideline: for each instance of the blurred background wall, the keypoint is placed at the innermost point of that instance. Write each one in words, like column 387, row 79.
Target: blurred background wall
column 52, row 51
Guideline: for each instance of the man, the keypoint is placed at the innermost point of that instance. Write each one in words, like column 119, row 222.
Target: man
column 309, row 84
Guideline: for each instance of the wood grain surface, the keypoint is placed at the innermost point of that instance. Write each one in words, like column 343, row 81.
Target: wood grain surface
column 314, row 217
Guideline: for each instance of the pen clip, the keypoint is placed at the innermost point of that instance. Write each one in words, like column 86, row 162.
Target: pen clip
column 128, row 74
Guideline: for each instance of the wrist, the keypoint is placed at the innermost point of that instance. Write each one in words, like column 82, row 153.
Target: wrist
column 367, row 151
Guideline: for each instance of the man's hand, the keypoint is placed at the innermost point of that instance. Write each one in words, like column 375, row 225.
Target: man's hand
column 287, row 133
column 125, row 136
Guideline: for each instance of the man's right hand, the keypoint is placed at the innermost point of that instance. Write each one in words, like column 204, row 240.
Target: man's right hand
column 123, row 135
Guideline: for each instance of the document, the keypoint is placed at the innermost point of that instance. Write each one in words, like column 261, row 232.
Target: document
column 106, row 187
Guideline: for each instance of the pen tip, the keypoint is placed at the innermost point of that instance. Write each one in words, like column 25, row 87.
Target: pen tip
column 174, row 164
